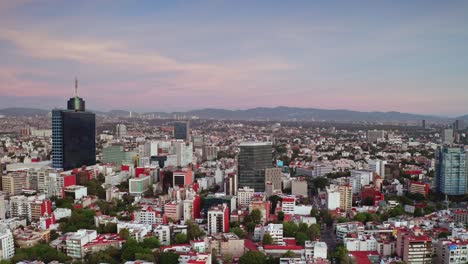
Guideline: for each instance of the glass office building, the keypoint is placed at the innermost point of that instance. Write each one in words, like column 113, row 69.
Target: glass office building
column 451, row 171
column 73, row 136
column 254, row 158
column 182, row 130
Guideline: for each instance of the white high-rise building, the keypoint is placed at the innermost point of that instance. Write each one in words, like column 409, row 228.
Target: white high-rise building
column 378, row 166
column 7, row 243
column 360, row 178
column 333, row 198
column 218, row 219
column 120, row 130
column 447, row 136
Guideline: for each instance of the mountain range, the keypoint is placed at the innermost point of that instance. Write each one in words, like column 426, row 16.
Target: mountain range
column 280, row 113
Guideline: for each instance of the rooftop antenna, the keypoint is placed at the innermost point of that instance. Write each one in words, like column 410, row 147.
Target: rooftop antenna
column 76, row 87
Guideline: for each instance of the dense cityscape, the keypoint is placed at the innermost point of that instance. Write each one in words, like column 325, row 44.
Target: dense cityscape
column 82, row 188
column 233, row 132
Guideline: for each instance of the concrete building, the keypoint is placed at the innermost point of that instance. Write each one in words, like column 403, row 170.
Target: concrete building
column 227, row 243
column 299, row 187
column 447, row 136
column 360, row 178
column 183, row 177
column 346, row 197
column 20, row 206
column 361, row 243
column 452, row 251
column 174, row 210
column 7, row 243
column 209, row 153
column 378, row 166
column 315, row 250
column 230, row 184
column 333, row 197
column 120, row 130
column 163, row 234
column 375, row 136
column 275, row 231
column 14, row 182
column 76, row 192
column 218, row 219
column 76, row 240
column 138, row 186
column 274, row 176
column 244, row 196
column 145, row 216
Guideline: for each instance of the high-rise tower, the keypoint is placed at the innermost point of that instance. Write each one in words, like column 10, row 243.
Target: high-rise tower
column 451, row 171
column 254, row 158
column 73, row 135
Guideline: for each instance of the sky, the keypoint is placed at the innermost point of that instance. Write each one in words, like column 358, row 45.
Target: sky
column 407, row 56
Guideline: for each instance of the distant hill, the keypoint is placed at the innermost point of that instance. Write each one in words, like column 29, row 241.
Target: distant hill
column 465, row 117
column 282, row 113
column 20, row 111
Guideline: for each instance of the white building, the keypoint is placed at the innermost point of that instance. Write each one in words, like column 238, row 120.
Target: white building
column 333, row 198
column 287, row 204
column 139, row 185
column 76, row 240
column 378, row 166
column 20, row 206
column 244, row 196
column 275, row 231
column 137, row 231
column 360, row 178
column 60, row 213
column 362, row 243
column 7, row 243
column 218, row 219
column 315, row 249
column 163, row 233
column 76, row 192
column 145, row 216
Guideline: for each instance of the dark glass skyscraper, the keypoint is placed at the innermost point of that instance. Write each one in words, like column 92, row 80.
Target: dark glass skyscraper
column 254, row 158
column 73, row 135
column 182, row 130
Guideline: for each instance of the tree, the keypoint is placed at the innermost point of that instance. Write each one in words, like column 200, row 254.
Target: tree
column 302, row 227
column 238, row 231
column 301, row 238
column 361, row 217
column 168, row 258
column 274, row 199
column 41, row 252
column 253, row 257
column 256, row 216
column 289, row 229
column 181, row 238
column 314, row 212
column 288, row 254
column 124, row 233
column 151, row 243
column 267, row 239
column 193, row 230
column 281, row 216
column 314, row 232
column 418, row 212
column 250, row 227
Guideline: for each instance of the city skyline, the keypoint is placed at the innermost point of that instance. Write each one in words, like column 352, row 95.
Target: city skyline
column 398, row 56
